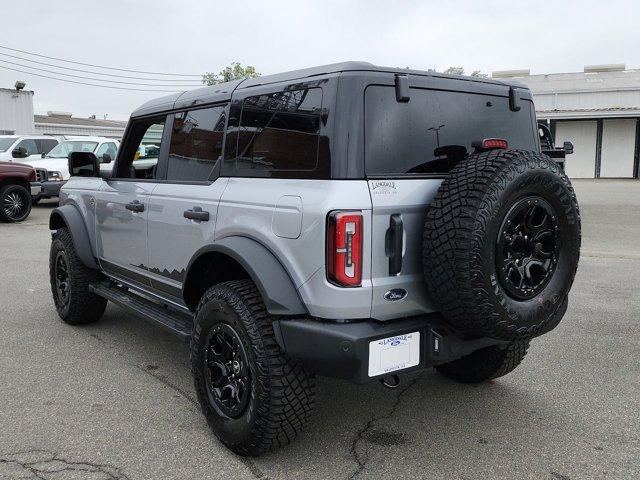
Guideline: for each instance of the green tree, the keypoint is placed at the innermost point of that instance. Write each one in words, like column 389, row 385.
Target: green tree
column 454, row 71
column 460, row 71
column 232, row 72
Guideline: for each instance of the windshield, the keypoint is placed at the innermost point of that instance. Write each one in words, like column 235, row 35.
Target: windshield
column 62, row 150
column 6, row 142
column 436, row 129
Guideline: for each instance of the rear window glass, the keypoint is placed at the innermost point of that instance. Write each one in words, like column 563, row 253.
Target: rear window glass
column 435, row 129
column 280, row 131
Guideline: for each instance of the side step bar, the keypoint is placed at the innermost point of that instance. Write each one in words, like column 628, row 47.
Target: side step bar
column 178, row 323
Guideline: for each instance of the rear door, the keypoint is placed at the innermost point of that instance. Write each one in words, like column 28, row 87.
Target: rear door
column 183, row 208
column 409, row 149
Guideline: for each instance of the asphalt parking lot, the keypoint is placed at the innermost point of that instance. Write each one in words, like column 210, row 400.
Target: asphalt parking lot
column 115, row 399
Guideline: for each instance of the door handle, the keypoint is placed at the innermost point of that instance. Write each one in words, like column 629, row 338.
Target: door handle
column 135, row 206
column 394, row 242
column 196, row 214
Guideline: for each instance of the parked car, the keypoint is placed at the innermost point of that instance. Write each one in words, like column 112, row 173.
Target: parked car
column 17, row 185
column 52, row 168
column 350, row 220
column 25, row 147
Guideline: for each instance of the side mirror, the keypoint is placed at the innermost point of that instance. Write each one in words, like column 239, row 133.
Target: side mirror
column 568, row 148
column 83, row 164
column 19, row 152
column 106, row 158
column 42, row 155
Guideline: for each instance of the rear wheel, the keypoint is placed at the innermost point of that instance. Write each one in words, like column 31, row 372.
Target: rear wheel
column 485, row 364
column 253, row 396
column 501, row 245
column 15, row 203
column 70, row 280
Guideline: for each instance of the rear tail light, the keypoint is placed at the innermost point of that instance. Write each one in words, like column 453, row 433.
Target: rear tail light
column 491, row 143
column 344, row 248
column 32, row 175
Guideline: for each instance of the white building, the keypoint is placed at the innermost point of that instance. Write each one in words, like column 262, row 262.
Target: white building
column 64, row 123
column 598, row 110
column 16, row 111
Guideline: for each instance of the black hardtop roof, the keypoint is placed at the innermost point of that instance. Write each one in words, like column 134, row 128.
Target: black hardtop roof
column 223, row 91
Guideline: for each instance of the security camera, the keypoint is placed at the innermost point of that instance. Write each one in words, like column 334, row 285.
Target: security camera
column 20, row 85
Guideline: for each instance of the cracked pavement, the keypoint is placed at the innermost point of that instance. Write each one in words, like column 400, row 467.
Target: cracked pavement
column 115, row 399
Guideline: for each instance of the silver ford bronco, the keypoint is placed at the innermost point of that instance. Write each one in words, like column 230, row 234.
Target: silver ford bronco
column 349, row 220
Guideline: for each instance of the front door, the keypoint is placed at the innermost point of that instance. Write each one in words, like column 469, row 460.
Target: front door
column 121, row 229
column 183, row 208
column 122, row 205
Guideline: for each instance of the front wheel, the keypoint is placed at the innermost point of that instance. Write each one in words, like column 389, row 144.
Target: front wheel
column 15, row 203
column 70, row 279
column 254, row 398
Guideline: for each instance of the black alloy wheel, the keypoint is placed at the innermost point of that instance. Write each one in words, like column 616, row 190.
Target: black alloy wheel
column 527, row 247
column 228, row 378
column 62, row 283
column 16, row 203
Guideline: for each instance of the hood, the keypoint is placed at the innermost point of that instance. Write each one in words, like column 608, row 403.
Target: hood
column 51, row 164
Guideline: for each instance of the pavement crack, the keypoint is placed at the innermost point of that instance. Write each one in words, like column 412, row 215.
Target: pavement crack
column 44, row 465
column 362, row 459
column 164, row 380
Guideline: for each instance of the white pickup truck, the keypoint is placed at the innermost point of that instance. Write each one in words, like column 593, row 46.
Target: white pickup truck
column 52, row 169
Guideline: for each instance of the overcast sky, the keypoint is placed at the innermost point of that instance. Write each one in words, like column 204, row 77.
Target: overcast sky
column 191, row 37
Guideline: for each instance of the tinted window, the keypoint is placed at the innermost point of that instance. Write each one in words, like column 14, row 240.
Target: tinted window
column 196, row 144
column 436, row 129
column 45, row 145
column 279, row 131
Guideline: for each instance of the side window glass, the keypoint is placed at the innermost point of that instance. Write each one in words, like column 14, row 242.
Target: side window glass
column 45, row 146
column 30, row 145
column 102, row 149
column 196, row 144
column 280, row 131
column 141, row 149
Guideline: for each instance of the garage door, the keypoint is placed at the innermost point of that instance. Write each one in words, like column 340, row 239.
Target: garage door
column 618, row 147
column 582, row 163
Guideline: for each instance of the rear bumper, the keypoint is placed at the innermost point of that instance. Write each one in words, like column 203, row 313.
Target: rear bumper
column 341, row 350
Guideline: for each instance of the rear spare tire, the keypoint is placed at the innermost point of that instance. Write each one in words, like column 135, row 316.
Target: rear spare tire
column 501, row 244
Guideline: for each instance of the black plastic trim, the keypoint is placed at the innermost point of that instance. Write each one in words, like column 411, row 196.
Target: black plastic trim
column 69, row 216
column 276, row 287
column 341, row 350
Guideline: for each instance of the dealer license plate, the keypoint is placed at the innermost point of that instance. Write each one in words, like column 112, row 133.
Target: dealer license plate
column 394, row 353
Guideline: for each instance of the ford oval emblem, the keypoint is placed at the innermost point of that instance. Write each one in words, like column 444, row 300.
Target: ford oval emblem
column 395, row 294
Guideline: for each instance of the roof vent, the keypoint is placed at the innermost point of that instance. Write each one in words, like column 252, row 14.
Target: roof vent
column 53, row 113
column 510, row 73
column 610, row 67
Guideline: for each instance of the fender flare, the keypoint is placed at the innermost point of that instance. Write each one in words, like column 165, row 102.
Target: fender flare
column 274, row 283
column 69, row 216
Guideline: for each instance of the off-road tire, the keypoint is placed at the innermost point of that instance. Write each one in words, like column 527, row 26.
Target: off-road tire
column 83, row 306
column 461, row 236
column 485, row 364
column 23, row 194
column 282, row 393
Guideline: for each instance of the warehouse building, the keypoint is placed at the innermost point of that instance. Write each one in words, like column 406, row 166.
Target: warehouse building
column 598, row 110
column 64, row 123
column 16, row 110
